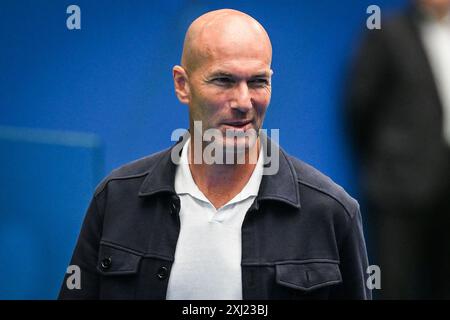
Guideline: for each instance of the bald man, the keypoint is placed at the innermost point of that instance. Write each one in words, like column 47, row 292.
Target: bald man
column 186, row 223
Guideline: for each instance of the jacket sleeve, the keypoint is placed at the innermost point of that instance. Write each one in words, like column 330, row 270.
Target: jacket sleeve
column 353, row 263
column 85, row 256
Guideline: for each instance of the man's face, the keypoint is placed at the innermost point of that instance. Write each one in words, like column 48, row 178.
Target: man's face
column 231, row 93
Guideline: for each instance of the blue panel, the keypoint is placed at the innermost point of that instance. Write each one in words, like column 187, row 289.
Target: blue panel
column 46, row 181
column 113, row 78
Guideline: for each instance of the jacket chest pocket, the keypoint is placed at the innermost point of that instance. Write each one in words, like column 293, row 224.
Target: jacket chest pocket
column 118, row 268
column 306, row 280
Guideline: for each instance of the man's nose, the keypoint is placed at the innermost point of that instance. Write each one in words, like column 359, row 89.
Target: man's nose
column 242, row 100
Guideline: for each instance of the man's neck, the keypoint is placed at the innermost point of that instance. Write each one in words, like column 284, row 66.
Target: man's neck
column 222, row 182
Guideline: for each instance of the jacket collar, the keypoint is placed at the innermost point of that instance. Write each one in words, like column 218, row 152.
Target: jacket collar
column 281, row 186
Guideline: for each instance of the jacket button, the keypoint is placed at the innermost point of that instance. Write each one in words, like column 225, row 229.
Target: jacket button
column 106, row 263
column 173, row 208
column 162, row 273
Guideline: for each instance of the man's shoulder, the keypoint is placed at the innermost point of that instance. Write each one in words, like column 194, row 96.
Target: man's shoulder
column 322, row 186
column 136, row 169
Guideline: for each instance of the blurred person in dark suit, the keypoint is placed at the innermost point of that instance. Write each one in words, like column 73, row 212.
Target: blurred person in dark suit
column 398, row 108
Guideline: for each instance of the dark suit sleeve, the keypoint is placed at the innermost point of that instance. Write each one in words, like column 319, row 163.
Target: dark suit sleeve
column 85, row 256
column 353, row 263
column 367, row 86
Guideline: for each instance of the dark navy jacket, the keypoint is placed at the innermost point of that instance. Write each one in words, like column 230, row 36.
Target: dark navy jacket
column 302, row 237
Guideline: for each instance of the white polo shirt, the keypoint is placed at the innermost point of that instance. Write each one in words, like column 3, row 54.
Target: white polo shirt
column 208, row 254
column 436, row 39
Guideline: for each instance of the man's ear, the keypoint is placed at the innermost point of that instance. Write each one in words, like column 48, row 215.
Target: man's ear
column 180, row 80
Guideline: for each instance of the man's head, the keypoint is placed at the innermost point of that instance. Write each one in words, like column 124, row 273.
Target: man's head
column 225, row 74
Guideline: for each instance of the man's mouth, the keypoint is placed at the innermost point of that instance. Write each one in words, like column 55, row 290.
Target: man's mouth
column 238, row 124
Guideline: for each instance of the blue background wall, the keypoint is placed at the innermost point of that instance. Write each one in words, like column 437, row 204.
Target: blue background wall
column 113, row 79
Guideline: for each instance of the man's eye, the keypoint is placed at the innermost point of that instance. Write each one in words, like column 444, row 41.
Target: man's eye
column 259, row 82
column 223, row 81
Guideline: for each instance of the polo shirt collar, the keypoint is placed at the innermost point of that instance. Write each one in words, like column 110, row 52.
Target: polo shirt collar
column 281, row 186
column 185, row 184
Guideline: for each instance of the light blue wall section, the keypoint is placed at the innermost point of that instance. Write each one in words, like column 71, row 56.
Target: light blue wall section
column 46, row 182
